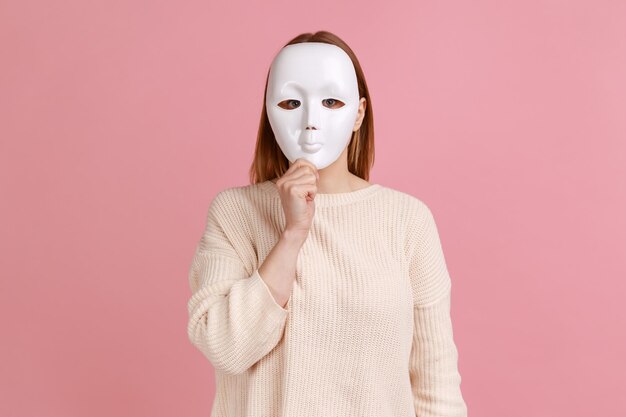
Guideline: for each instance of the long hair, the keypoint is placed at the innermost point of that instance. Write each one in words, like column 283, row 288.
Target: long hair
column 270, row 162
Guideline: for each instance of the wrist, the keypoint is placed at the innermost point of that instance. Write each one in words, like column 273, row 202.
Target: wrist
column 293, row 238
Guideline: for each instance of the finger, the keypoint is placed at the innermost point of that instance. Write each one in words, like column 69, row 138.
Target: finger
column 302, row 176
column 305, row 190
column 306, row 163
column 306, row 169
column 298, row 165
column 309, row 165
column 298, row 172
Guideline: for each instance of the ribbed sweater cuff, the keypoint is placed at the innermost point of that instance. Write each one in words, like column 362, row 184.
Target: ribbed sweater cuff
column 267, row 298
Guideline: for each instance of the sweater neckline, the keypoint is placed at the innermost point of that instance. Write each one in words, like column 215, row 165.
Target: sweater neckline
column 329, row 199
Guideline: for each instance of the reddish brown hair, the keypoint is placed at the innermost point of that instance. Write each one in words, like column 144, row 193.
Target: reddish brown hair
column 270, row 162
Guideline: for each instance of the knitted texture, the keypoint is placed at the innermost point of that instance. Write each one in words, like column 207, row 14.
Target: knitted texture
column 367, row 330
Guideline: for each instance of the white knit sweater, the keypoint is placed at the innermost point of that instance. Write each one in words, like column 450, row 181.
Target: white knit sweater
column 367, row 331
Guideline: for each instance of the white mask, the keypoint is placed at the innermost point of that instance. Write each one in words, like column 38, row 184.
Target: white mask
column 312, row 101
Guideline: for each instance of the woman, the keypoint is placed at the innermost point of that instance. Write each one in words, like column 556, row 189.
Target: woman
column 315, row 292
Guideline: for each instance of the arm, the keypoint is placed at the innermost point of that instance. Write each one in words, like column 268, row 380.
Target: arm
column 234, row 319
column 435, row 379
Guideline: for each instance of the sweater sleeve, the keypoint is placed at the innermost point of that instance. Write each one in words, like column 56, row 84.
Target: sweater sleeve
column 433, row 365
column 234, row 319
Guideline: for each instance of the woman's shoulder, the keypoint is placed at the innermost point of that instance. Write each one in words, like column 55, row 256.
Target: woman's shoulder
column 405, row 199
column 243, row 201
column 412, row 211
column 240, row 193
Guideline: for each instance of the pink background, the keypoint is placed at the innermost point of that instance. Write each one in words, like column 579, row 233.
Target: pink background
column 120, row 120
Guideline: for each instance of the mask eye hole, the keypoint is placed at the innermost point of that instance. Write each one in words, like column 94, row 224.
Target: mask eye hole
column 289, row 104
column 333, row 103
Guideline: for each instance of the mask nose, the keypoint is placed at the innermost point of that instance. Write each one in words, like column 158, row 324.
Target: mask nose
column 312, row 116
